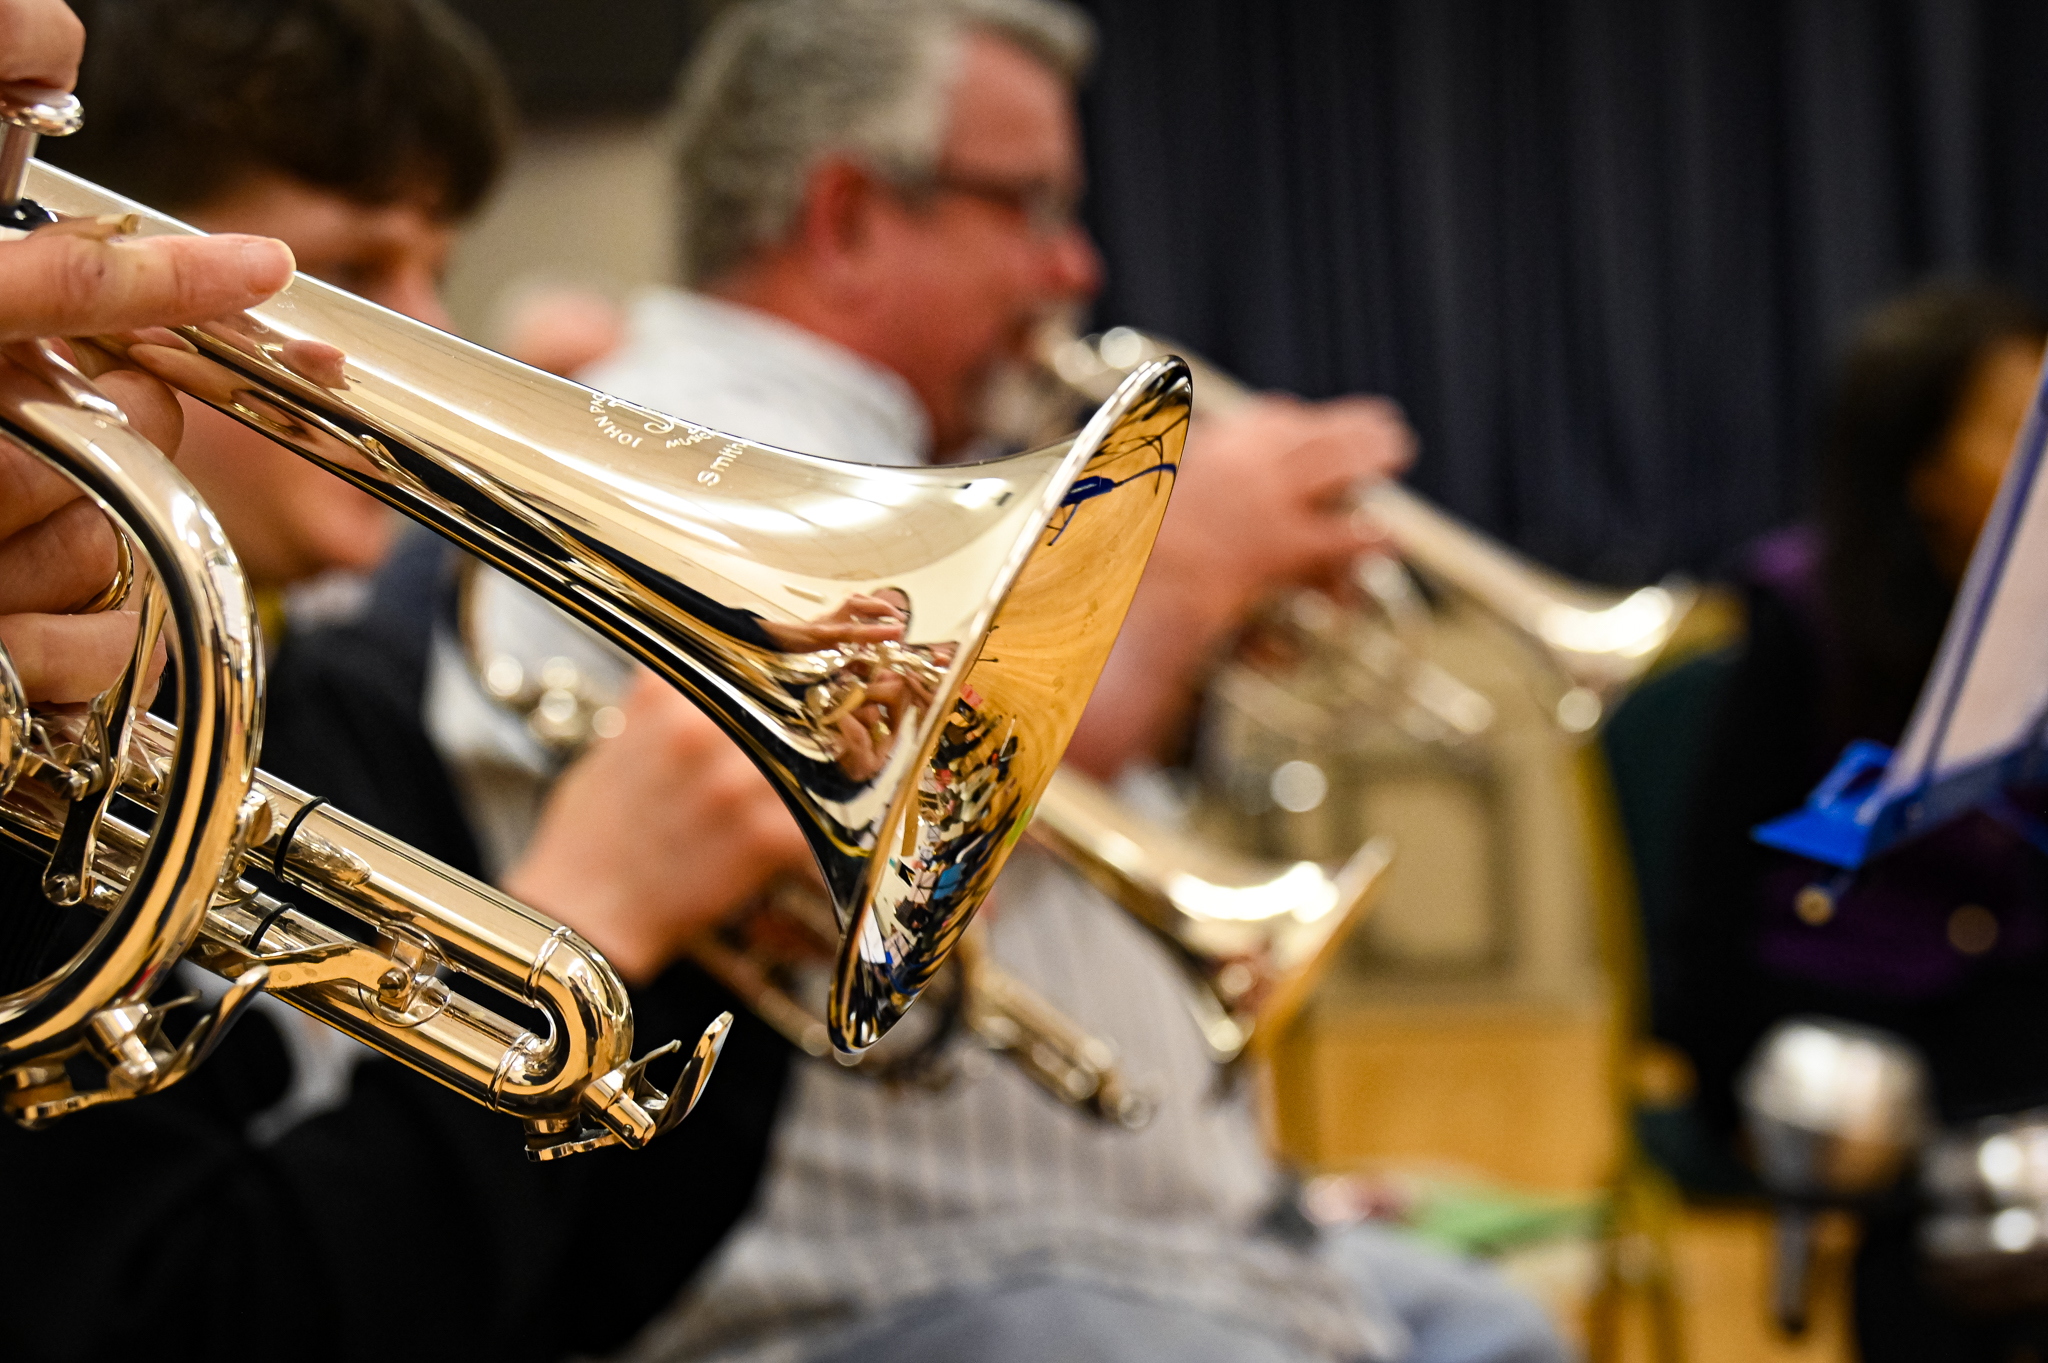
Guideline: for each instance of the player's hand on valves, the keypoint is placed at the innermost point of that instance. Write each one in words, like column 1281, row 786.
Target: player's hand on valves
column 1266, row 499
column 653, row 837
column 57, row 552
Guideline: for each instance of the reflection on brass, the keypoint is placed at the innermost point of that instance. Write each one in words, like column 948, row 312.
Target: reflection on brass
column 116, row 590
column 564, row 682
column 691, row 550
column 1254, row 936
column 1597, row 642
column 14, row 722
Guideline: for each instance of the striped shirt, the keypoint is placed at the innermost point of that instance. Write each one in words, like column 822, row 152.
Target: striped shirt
column 877, row 1196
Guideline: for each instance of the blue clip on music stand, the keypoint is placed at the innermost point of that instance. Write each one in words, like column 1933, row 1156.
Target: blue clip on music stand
column 1977, row 730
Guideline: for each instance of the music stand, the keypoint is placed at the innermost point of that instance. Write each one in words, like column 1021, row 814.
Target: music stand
column 1977, row 731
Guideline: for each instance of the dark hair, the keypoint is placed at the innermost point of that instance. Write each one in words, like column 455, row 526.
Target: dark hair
column 371, row 99
column 1898, row 393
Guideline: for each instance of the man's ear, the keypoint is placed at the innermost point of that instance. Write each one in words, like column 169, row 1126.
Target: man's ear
column 836, row 226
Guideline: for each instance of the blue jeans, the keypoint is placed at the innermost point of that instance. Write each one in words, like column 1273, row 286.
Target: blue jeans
column 1455, row 1311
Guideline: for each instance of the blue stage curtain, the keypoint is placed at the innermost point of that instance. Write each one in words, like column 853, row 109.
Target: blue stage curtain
column 1602, row 250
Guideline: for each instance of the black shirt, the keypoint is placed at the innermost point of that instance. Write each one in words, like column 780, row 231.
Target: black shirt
column 407, row 1221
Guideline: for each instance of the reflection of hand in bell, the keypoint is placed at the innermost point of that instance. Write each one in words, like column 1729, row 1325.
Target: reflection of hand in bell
column 865, row 740
column 859, row 619
column 878, row 680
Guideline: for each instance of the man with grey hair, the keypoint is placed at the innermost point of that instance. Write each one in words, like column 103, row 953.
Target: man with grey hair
column 879, row 204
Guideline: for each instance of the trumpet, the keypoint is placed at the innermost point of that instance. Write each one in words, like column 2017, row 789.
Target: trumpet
column 1598, row 642
column 565, row 683
column 696, row 552
column 1252, row 936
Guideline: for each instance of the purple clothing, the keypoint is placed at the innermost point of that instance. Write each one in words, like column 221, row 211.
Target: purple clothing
column 1890, row 936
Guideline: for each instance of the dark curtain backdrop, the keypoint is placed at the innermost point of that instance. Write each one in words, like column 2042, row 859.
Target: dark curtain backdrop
column 1602, row 250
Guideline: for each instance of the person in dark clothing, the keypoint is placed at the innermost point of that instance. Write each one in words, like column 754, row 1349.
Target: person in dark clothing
column 1944, row 942
column 406, row 1217
column 409, row 1213
column 360, row 132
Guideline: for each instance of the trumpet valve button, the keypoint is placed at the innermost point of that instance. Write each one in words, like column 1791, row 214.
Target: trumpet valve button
column 29, row 112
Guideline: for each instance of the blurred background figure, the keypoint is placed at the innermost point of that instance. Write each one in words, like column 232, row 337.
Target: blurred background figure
column 1946, row 941
column 562, row 329
column 878, row 219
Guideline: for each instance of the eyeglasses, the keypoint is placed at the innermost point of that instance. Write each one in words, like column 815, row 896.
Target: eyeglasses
column 1048, row 210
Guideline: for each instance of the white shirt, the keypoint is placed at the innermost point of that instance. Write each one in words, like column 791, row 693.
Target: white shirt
column 736, row 370
column 875, row 1196
column 749, row 374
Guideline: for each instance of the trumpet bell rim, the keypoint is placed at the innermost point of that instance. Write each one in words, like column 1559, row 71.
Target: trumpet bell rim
column 1079, row 569
column 701, row 553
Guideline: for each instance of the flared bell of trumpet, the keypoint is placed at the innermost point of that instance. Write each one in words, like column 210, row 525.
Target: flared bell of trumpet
column 1256, row 936
column 731, row 569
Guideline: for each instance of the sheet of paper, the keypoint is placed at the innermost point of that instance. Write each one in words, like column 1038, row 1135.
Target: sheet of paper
column 1988, row 692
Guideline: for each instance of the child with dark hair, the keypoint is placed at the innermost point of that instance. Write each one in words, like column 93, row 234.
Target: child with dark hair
column 373, row 102
column 360, row 132
column 1946, row 941
column 402, row 1218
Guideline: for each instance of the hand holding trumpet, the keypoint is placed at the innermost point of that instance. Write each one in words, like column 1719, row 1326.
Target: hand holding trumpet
column 656, row 835
column 57, row 552
column 1265, row 501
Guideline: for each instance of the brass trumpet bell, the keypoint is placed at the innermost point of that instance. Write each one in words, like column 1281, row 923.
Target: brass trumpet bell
column 565, row 684
column 723, row 565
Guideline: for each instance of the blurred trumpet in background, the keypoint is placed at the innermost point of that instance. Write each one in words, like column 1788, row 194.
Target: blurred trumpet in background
column 1252, row 935
column 1597, row 642
column 1440, row 700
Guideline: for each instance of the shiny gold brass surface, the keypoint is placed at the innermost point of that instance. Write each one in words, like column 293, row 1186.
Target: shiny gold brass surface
column 1255, row 936
column 177, row 889
column 722, row 565
column 565, row 683
column 1598, row 642
column 100, row 995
